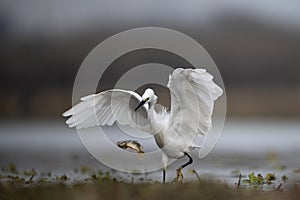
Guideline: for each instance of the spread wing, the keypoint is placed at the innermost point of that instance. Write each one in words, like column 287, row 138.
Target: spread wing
column 108, row 107
column 193, row 93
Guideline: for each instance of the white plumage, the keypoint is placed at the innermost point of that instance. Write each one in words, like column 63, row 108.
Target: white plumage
column 108, row 107
column 193, row 93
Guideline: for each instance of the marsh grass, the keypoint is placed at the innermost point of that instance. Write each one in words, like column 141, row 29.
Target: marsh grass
column 30, row 184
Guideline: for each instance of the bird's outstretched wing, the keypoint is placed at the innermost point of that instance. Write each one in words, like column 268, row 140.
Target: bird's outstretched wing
column 107, row 107
column 193, row 93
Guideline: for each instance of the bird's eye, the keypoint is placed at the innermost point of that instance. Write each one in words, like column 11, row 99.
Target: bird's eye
column 147, row 99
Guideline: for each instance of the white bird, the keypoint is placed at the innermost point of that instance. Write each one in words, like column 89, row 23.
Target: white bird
column 193, row 93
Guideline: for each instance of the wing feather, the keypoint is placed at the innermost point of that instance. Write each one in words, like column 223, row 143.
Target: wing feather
column 108, row 107
column 193, row 93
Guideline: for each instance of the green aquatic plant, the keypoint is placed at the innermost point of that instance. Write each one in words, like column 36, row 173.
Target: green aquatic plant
column 260, row 180
column 99, row 176
column 270, row 177
column 62, row 178
column 284, row 178
column 254, row 180
column 43, row 180
column 15, row 180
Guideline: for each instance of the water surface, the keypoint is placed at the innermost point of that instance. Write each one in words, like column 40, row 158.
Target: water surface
column 259, row 145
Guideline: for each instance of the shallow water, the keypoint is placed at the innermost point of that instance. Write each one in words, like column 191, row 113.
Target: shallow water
column 263, row 146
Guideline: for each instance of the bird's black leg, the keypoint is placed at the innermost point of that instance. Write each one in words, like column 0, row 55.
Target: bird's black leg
column 164, row 175
column 179, row 173
column 189, row 162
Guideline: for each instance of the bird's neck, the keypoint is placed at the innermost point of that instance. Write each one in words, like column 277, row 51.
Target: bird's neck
column 155, row 124
column 151, row 112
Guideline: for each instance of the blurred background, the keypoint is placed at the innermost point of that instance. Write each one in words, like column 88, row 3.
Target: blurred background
column 255, row 44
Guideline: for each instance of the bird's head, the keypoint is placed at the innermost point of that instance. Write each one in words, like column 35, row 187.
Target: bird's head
column 148, row 97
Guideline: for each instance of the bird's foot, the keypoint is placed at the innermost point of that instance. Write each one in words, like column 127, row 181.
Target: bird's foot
column 179, row 176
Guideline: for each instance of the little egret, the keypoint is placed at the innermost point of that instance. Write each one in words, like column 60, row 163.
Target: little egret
column 193, row 93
